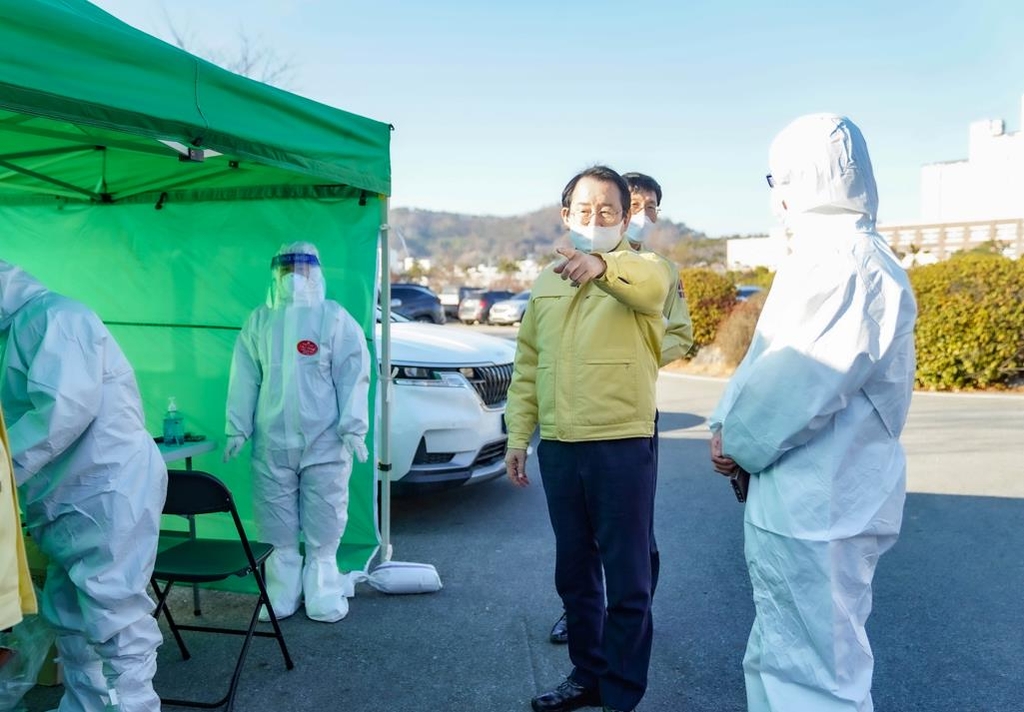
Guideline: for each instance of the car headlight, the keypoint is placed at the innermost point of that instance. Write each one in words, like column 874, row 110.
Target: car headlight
column 426, row 376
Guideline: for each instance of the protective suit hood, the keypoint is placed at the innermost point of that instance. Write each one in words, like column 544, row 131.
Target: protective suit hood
column 821, row 169
column 17, row 288
column 285, row 290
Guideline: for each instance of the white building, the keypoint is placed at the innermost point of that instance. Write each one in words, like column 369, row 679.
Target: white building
column 969, row 203
column 964, row 204
column 743, row 253
column 987, row 185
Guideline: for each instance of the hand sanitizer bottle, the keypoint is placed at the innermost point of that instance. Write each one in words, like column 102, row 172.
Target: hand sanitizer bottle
column 174, row 424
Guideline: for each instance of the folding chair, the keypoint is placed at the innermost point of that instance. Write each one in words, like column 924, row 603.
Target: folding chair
column 198, row 560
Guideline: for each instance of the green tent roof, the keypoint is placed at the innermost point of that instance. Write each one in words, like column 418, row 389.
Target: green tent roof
column 86, row 101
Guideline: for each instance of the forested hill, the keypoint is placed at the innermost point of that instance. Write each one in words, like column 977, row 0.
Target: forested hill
column 466, row 240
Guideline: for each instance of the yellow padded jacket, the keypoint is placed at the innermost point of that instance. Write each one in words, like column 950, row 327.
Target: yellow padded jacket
column 16, row 593
column 678, row 325
column 587, row 357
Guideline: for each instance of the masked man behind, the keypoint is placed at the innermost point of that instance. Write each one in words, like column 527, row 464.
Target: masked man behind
column 815, row 412
column 92, row 483
column 299, row 387
column 585, row 370
column 644, row 208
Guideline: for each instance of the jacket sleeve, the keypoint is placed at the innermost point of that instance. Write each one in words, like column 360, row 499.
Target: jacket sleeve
column 350, row 369
column 679, row 327
column 792, row 385
column 521, row 410
column 244, row 382
column 640, row 281
column 64, row 384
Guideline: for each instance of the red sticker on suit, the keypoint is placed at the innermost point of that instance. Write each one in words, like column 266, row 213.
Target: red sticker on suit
column 307, row 348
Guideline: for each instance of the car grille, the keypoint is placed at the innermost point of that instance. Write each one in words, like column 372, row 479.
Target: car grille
column 490, row 453
column 492, row 382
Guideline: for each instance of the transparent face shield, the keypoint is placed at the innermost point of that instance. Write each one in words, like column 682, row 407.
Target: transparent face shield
column 297, row 278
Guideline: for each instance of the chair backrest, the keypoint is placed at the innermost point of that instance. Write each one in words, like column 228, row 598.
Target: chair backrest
column 196, row 492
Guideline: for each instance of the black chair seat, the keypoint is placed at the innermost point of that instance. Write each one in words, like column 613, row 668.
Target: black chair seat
column 204, row 560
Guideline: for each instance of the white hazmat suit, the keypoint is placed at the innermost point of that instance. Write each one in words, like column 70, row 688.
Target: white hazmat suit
column 92, row 483
column 815, row 412
column 299, row 389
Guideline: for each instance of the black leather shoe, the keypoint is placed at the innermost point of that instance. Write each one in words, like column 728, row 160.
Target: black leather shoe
column 565, row 697
column 559, row 632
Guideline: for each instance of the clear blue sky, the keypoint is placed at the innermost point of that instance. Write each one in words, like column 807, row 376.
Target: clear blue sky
column 497, row 105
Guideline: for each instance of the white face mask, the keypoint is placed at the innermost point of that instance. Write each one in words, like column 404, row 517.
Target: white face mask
column 594, row 238
column 639, row 227
column 293, row 284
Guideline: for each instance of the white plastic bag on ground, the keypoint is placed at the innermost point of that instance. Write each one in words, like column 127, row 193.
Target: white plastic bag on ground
column 405, row 577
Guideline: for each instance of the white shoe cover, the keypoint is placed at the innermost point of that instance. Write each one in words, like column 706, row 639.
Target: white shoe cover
column 284, row 582
column 85, row 687
column 324, row 587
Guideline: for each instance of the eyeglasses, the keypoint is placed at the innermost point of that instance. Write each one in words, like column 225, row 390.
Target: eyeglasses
column 652, row 210
column 605, row 216
column 771, row 181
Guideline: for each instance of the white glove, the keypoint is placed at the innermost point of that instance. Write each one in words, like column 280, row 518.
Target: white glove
column 235, row 443
column 355, row 445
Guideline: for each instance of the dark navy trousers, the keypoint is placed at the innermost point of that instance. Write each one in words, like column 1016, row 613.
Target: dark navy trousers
column 655, row 554
column 600, row 496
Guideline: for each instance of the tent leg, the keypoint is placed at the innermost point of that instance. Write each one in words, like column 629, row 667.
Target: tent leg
column 384, row 464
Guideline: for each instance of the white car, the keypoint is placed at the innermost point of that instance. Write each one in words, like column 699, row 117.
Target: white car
column 447, row 405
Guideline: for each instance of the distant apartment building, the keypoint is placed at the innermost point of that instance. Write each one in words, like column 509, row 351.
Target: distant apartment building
column 742, row 253
column 969, row 203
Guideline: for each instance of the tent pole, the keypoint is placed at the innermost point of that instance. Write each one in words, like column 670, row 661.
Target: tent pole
column 384, row 384
column 47, row 179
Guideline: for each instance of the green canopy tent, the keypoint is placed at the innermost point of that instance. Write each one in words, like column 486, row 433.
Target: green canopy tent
column 155, row 187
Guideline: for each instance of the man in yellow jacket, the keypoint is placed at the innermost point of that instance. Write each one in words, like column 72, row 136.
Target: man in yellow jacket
column 644, row 207
column 587, row 360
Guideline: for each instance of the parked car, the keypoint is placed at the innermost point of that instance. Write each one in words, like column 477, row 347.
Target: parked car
column 476, row 307
column 509, row 311
column 416, row 302
column 746, row 291
column 451, row 297
column 447, row 406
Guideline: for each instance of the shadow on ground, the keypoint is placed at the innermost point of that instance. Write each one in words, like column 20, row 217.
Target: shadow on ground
column 948, row 628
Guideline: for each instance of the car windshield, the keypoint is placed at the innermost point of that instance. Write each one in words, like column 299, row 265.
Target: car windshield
column 395, row 317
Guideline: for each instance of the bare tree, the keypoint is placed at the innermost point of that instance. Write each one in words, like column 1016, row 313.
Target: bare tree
column 250, row 57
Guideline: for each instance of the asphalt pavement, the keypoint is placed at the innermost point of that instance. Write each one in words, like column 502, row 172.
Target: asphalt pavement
column 947, row 627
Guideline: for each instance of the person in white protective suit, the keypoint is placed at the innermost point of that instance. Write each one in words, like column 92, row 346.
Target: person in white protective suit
column 814, row 412
column 92, row 484
column 299, row 388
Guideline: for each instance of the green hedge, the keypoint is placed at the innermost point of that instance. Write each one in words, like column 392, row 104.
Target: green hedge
column 970, row 324
column 710, row 297
column 758, row 276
